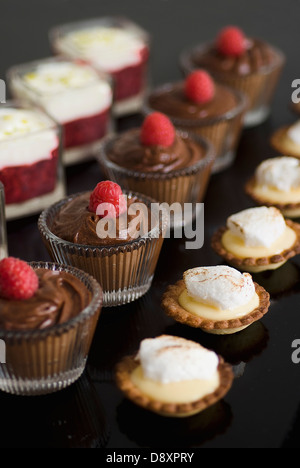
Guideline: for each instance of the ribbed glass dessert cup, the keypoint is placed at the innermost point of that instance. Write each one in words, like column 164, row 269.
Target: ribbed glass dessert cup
column 223, row 131
column 125, row 271
column 43, row 361
column 180, row 186
column 259, row 86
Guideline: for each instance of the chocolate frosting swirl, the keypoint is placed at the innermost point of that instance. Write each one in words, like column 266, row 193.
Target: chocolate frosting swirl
column 75, row 223
column 257, row 55
column 127, row 151
column 171, row 100
column 60, row 297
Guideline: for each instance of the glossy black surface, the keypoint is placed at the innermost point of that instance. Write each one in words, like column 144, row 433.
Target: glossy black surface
column 263, row 407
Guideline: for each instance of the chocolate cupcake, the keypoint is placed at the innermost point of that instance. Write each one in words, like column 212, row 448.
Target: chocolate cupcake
column 249, row 65
column 172, row 167
column 115, row 236
column 48, row 316
column 202, row 106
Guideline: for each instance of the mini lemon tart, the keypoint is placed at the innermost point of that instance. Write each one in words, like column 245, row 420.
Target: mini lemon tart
column 286, row 140
column 173, row 376
column 277, row 183
column 219, row 300
column 257, row 239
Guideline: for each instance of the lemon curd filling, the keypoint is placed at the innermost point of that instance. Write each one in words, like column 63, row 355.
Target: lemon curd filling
column 237, row 247
column 273, row 195
column 186, row 391
column 213, row 313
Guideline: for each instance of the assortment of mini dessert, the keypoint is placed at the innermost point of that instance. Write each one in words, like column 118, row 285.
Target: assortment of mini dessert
column 190, row 129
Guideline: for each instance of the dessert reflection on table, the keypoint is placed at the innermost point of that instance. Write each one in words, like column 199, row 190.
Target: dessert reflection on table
column 150, row 430
column 72, row 418
column 239, row 348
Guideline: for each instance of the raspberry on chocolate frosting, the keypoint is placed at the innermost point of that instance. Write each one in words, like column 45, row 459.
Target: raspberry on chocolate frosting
column 59, row 297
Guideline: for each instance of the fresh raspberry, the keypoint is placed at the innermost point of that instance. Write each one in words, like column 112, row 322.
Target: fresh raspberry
column 199, row 87
column 231, row 41
column 110, row 195
column 157, row 130
column 17, row 279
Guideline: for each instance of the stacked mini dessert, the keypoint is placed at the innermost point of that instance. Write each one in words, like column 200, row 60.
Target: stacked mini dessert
column 30, row 166
column 74, row 95
column 114, row 46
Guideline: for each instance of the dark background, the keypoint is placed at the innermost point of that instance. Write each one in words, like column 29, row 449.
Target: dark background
column 262, row 409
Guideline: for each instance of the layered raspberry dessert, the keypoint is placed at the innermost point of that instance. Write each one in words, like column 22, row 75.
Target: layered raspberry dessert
column 74, row 95
column 248, row 64
column 29, row 160
column 117, row 47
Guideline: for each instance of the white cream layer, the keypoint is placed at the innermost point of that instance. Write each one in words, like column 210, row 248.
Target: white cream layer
column 25, row 137
column 67, row 91
column 107, row 48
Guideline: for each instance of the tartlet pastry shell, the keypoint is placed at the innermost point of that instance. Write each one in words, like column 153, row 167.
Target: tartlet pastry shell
column 286, row 208
column 172, row 308
column 124, row 382
column 283, row 144
column 248, row 263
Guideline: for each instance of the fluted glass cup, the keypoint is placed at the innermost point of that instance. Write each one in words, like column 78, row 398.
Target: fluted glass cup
column 37, row 362
column 180, row 186
column 124, row 271
column 259, row 86
column 223, row 131
column 3, row 238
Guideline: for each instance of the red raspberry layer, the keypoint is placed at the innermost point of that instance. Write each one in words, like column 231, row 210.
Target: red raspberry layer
column 131, row 81
column 25, row 182
column 86, row 130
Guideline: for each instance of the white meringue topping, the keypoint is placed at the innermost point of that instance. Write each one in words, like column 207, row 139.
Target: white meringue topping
column 171, row 359
column 257, row 227
column 219, row 286
column 283, row 173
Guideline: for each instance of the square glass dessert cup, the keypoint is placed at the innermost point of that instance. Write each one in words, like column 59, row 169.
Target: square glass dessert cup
column 30, row 159
column 130, row 77
column 3, row 234
column 74, row 95
column 259, row 86
column 222, row 131
column 177, row 187
column 125, row 271
column 47, row 360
